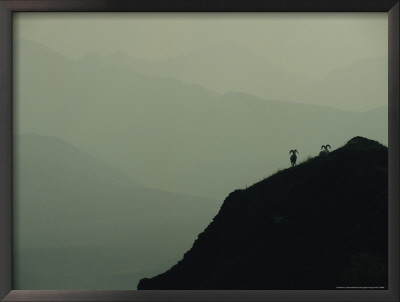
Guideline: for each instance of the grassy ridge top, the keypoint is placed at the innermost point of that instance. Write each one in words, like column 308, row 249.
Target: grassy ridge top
column 318, row 225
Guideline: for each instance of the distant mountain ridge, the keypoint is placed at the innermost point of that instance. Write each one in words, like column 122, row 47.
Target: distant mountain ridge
column 195, row 67
column 35, row 151
column 72, row 211
column 231, row 66
column 360, row 86
column 319, row 225
column 73, row 186
column 134, row 121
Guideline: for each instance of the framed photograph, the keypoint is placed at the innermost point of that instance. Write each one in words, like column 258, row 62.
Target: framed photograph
column 195, row 151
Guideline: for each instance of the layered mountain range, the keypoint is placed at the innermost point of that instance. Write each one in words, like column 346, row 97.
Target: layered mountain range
column 159, row 126
column 81, row 224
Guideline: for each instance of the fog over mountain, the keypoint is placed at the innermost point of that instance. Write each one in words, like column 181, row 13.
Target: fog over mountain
column 81, row 224
column 225, row 67
column 308, row 44
column 221, row 68
column 130, row 130
column 170, row 135
column 359, row 86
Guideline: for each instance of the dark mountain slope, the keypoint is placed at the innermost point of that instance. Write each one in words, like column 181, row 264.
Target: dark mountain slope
column 319, row 225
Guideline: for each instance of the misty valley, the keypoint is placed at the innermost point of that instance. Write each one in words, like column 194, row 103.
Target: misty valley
column 134, row 173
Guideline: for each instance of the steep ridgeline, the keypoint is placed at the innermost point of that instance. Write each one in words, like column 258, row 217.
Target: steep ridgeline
column 319, row 225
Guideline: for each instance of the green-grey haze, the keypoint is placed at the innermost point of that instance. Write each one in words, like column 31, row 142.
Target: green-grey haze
column 130, row 133
column 313, row 44
column 80, row 223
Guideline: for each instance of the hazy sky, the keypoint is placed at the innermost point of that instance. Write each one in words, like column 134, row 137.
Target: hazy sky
column 141, row 122
column 312, row 44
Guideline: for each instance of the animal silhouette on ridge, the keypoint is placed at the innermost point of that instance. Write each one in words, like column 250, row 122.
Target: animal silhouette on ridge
column 293, row 157
column 325, row 150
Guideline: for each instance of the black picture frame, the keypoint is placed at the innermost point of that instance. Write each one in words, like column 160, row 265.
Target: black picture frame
column 8, row 7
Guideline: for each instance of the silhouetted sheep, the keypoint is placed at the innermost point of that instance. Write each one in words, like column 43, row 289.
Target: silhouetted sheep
column 325, row 150
column 293, row 157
